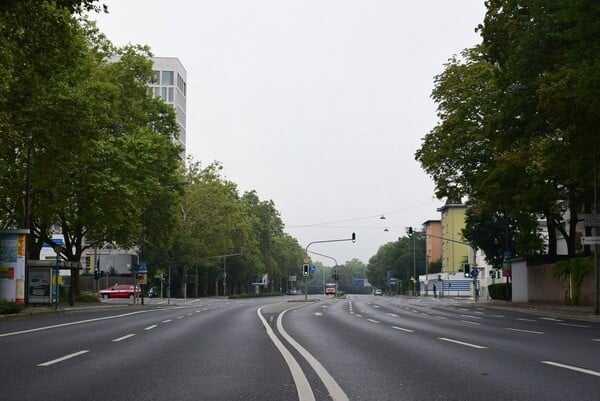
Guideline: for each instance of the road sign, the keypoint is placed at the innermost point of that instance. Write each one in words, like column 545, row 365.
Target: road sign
column 307, row 260
column 292, row 278
column 592, row 220
column 590, row 240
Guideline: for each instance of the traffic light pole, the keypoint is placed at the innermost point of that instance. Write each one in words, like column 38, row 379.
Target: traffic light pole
column 335, row 274
column 353, row 239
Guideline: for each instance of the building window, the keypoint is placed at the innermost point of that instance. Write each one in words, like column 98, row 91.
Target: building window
column 167, row 78
column 163, row 93
column 157, row 77
column 170, row 92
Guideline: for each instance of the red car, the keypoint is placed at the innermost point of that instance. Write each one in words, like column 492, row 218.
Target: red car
column 120, row 291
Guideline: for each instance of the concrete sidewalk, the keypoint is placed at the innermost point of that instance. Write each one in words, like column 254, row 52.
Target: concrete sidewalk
column 584, row 313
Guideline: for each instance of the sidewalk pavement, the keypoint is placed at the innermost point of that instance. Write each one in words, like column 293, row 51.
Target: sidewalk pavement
column 584, row 313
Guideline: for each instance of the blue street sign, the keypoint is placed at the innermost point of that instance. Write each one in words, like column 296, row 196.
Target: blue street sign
column 475, row 272
column 312, row 268
column 358, row 282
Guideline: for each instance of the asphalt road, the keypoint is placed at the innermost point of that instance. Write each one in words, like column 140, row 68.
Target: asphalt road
column 358, row 348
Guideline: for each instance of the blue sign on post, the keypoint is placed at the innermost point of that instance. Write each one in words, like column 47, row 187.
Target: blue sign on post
column 358, row 282
column 312, row 268
column 475, row 272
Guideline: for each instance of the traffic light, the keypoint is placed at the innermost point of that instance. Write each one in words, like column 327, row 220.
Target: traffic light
column 467, row 269
column 353, row 237
column 409, row 231
column 305, row 269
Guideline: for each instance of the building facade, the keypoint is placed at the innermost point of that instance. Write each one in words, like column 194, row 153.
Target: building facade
column 170, row 84
column 433, row 241
column 454, row 251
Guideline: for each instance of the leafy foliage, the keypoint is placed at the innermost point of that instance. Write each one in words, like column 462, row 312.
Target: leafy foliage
column 573, row 272
column 515, row 114
column 397, row 257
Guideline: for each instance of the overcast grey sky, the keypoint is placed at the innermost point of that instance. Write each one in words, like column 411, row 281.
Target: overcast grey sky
column 318, row 105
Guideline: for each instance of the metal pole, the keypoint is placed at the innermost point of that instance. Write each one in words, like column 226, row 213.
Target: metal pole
column 224, row 276
column 169, row 288
column 597, row 308
column 414, row 265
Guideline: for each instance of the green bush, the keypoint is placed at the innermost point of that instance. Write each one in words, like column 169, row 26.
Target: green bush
column 498, row 291
column 87, row 298
column 9, row 308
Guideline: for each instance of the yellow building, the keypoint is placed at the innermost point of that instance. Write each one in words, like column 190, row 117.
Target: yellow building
column 454, row 253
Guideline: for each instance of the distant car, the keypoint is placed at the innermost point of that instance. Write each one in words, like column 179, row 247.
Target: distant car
column 121, row 291
column 378, row 292
column 292, row 292
column 152, row 293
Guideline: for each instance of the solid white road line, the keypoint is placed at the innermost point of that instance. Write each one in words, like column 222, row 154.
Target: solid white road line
column 462, row 343
column 305, row 392
column 64, row 358
column 116, row 340
column 575, row 368
column 525, row 331
column 335, row 391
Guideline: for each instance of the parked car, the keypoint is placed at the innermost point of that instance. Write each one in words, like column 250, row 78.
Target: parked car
column 152, row 292
column 121, row 291
column 378, row 292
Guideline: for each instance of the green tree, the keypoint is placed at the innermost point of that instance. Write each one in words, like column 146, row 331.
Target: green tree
column 503, row 139
column 573, row 272
column 398, row 258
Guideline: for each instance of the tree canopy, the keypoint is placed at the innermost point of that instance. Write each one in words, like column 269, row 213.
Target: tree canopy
column 518, row 118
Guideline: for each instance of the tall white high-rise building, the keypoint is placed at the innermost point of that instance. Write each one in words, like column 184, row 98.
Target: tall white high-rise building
column 171, row 86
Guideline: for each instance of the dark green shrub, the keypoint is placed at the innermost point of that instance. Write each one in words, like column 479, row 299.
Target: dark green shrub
column 9, row 308
column 499, row 291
